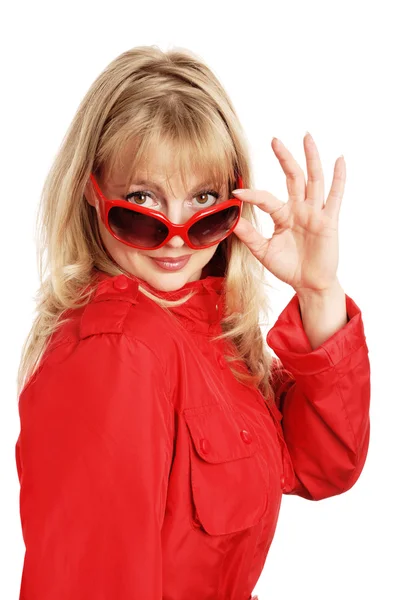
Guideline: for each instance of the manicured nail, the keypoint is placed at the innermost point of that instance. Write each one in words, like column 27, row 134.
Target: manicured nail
column 237, row 191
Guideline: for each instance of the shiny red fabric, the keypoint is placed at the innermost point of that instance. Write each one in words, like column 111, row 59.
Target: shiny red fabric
column 148, row 471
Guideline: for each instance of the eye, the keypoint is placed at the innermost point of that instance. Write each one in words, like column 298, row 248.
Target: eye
column 135, row 195
column 204, row 198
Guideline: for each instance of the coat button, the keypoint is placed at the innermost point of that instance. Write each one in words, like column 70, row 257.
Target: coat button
column 246, row 436
column 204, row 444
column 121, row 282
column 283, row 482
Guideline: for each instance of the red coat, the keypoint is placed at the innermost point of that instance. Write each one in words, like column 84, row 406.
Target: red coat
column 149, row 472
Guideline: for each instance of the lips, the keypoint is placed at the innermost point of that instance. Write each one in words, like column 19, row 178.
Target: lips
column 171, row 258
column 171, row 263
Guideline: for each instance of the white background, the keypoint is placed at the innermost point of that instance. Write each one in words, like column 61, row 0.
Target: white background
column 332, row 68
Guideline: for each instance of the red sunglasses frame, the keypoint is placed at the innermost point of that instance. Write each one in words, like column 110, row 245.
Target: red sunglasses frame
column 173, row 228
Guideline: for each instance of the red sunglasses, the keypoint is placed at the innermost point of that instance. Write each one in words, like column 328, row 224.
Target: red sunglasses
column 148, row 229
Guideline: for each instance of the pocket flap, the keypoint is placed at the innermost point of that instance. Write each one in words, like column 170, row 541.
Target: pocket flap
column 220, row 434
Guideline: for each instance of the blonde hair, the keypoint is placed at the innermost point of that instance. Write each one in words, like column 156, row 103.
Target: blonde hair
column 145, row 98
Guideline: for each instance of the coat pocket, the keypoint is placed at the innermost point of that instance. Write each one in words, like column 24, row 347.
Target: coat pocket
column 227, row 484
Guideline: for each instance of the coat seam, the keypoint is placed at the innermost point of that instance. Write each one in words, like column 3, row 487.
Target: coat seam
column 341, row 395
column 334, row 364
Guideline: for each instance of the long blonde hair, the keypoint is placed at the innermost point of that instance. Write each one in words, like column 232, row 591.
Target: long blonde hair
column 145, row 98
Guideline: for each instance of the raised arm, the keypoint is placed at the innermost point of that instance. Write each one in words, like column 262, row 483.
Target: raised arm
column 322, row 403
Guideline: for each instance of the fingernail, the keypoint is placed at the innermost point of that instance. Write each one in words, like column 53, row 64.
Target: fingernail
column 237, row 191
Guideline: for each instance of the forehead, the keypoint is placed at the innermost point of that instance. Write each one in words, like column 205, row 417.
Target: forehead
column 161, row 168
column 160, row 180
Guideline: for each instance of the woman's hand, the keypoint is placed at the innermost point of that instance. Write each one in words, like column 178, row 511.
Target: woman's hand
column 303, row 250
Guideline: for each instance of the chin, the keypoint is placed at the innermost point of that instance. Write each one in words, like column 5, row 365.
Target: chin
column 169, row 282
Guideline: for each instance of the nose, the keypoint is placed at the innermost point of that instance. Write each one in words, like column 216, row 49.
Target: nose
column 178, row 217
column 176, row 242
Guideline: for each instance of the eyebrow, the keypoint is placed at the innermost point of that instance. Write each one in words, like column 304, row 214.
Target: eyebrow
column 149, row 183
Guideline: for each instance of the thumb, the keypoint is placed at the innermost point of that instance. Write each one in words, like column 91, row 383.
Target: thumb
column 256, row 242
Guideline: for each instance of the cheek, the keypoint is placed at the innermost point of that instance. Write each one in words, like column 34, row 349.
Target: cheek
column 206, row 254
column 117, row 249
column 110, row 242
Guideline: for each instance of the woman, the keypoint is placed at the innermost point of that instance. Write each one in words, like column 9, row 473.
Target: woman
column 158, row 433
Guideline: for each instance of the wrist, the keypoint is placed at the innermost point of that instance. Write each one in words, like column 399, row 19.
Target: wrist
column 330, row 290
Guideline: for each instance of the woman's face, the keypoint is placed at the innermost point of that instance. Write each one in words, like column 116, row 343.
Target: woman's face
column 178, row 204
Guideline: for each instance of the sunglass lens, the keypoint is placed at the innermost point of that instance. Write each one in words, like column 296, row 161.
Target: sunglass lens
column 136, row 228
column 214, row 227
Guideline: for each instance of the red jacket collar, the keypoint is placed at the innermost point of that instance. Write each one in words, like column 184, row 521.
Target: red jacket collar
column 203, row 312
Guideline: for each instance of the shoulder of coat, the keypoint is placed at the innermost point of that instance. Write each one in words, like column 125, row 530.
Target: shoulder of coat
column 109, row 306
column 118, row 306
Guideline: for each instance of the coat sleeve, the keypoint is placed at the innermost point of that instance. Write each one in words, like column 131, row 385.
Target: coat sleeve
column 93, row 458
column 322, row 401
